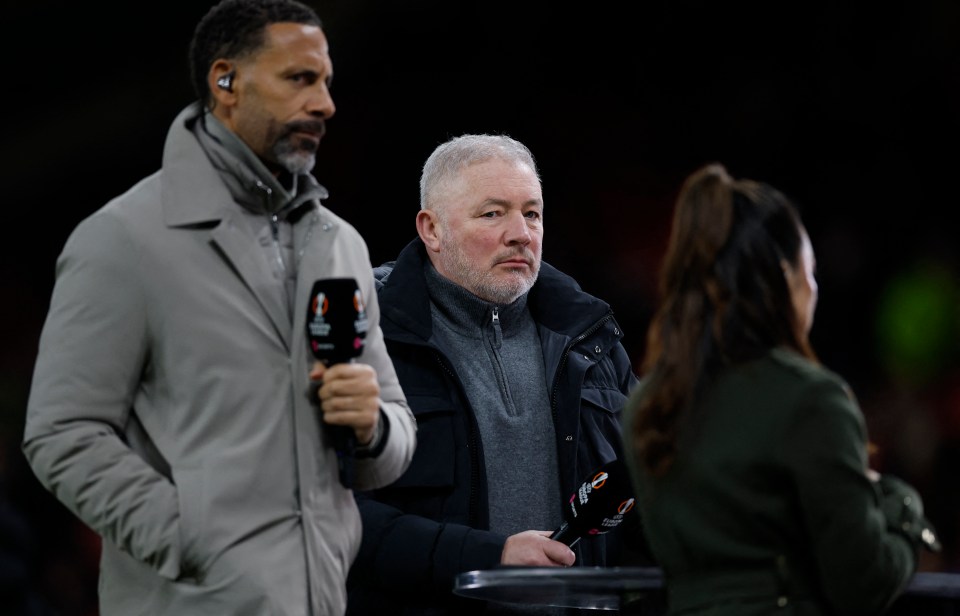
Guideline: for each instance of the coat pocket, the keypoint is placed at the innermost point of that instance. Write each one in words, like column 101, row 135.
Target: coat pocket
column 190, row 491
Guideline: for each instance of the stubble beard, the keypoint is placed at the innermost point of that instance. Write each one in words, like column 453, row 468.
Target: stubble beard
column 295, row 158
column 296, row 154
column 501, row 289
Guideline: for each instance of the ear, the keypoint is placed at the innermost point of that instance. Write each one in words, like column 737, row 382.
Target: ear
column 429, row 229
column 222, row 97
column 789, row 273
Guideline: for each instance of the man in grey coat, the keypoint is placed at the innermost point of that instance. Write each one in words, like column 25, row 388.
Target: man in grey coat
column 175, row 407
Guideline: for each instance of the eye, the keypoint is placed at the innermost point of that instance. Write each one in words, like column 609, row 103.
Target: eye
column 490, row 214
column 532, row 214
column 306, row 78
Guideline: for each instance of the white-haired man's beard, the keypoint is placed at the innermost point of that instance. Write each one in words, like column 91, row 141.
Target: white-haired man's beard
column 499, row 287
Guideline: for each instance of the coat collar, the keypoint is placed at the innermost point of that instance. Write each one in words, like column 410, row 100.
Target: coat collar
column 186, row 191
column 556, row 301
column 189, row 196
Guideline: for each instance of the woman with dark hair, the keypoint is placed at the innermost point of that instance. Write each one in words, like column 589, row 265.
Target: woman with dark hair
column 749, row 458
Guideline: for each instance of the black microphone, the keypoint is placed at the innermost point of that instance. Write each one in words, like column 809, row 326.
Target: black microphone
column 336, row 328
column 598, row 505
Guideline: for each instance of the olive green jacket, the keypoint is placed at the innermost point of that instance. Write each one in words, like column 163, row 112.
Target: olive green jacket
column 768, row 506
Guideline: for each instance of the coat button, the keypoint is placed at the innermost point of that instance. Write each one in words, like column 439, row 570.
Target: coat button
column 597, row 349
column 781, row 601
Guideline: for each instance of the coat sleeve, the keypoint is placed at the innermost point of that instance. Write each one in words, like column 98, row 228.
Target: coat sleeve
column 863, row 564
column 405, row 553
column 91, row 355
column 401, row 437
column 628, row 546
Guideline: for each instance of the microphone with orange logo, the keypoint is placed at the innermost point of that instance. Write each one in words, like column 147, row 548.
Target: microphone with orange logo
column 598, row 505
column 336, row 328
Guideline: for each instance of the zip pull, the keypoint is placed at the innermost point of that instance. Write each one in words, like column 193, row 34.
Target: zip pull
column 275, row 226
column 264, row 189
column 497, row 332
column 266, row 192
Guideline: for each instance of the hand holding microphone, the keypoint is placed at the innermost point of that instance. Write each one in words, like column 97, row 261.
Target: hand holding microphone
column 348, row 393
column 533, row 548
column 349, row 396
column 596, row 507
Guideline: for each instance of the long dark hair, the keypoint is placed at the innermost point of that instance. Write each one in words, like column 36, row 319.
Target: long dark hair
column 724, row 298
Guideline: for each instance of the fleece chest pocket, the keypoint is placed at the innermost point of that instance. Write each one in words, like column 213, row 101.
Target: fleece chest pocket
column 433, row 460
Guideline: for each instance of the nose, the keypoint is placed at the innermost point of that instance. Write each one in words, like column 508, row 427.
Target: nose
column 320, row 104
column 517, row 231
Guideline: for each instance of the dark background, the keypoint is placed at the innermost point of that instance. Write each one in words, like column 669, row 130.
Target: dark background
column 851, row 110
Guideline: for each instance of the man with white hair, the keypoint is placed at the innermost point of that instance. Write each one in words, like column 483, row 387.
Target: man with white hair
column 516, row 377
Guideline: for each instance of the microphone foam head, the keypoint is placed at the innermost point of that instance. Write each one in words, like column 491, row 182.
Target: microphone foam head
column 601, row 502
column 336, row 320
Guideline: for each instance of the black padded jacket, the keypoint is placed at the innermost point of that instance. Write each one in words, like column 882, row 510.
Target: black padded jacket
column 432, row 523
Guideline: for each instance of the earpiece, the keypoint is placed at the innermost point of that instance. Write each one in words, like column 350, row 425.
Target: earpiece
column 226, row 82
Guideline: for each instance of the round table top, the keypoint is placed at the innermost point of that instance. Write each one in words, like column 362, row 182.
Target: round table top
column 598, row 588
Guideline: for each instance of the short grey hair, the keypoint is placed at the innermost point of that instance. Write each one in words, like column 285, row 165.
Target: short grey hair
column 449, row 158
